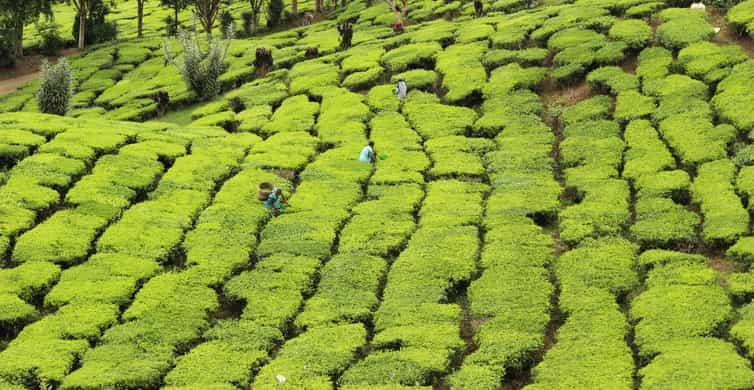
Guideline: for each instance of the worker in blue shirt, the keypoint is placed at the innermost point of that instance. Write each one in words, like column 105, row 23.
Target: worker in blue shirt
column 275, row 201
column 367, row 154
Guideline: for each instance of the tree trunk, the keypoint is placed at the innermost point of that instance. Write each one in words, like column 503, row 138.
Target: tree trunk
column 140, row 25
column 19, row 39
column 294, row 8
column 82, row 29
column 255, row 23
column 176, row 18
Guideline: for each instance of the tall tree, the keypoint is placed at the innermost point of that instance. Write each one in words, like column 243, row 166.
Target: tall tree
column 399, row 8
column 22, row 12
column 294, row 8
column 177, row 6
column 82, row 10
column 207, row 11
column 256, row 10
column 140, row 16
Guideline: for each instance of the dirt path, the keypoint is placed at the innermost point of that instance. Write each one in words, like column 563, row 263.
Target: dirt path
column 26, row 69
column 10, row 85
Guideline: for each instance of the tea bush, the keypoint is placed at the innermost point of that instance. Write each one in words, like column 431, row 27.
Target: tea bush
column 636, row 33
column 682, row 27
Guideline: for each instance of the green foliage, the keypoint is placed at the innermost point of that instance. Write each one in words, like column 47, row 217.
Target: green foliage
column 200, row 69
column 56, row 88
column 725, row 219
column 661, row 310
column 417, row 78
column 660, row 222
column 462, row 70
column 529, row 57
column 631, row 105
column 362, row 80
column 710, row 62
column 294, row 115
column 682, row 27
column 411, row 55
column 741, row 17
column 309, row 75
column 309, row 359
column 732, row 92
column 254, row 118
column 436, row 120
column 646, row 153
column 742, row 251
column 597, row 107
column 636, row 33
column 613, row 79
column 572, row 37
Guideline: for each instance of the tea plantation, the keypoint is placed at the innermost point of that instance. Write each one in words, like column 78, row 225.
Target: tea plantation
column 563, row 201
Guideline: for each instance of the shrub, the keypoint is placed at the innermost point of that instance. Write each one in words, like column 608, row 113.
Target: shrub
column 742, row 251
column 597, row 107
column 306, row 76
column 7, row 44
column 682, row 27
column 573, row 37
column 741, row 17
column 362, row 58
column 708, row 61
column 630, row 105
column 275, row 13
column 295, row 114
column 436, row 120
column 527, row 57
column 725, row 219
column 636, row 33
column 732, row 95
column 56, row 88
column 417, row 78
column 660, row 222
column 645, row 9
column 365, row 79
column 462, row 69
column 52, row 42
column 646, row 153
column 98, row 29
column 654, row 63
column 200, row 70
column 415, row 54
column 474, row 32
column 613, row 79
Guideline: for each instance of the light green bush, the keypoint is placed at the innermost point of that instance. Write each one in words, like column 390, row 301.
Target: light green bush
column 417, row 78
column 528, row 57
column 254, row 118
column 732, row 93
column 412, row 55
column 437, row 120
column 631, row 105
column 613, row 79
column 682, row 27
column 294, row 115
column 636, row 33
column 740, row 16
column 362, row 80
column 462, row 70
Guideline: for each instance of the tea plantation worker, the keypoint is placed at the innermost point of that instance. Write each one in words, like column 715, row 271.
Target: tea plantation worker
column 275, row 201
column 367, row 154
column 402, row 90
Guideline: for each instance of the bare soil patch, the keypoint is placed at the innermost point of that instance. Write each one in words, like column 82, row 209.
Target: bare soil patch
column 26, row 69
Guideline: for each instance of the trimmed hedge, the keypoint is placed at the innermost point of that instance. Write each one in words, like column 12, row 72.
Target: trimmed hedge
column 636, row 33
column 682, row 27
